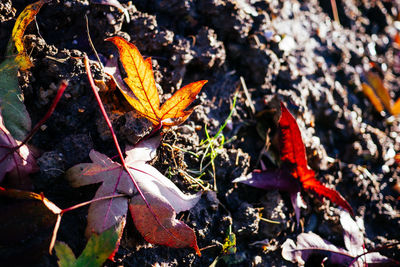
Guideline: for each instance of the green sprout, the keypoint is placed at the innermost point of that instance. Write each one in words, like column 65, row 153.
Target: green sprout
column 213, row 145
column 209, row 149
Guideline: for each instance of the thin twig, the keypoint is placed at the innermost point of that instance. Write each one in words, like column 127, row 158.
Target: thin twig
column 247, row 94
column 91, row 43
column 335, row 11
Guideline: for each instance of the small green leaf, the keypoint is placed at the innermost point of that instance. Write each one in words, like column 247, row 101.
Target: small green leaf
column 96, row 252
column 66, row 257
column 15, row 115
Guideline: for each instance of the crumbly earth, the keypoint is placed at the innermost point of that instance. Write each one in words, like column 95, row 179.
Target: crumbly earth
column 284, row 50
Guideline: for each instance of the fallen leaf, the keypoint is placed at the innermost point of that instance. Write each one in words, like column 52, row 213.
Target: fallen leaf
column 17, row 162
column 380, row 89
column 16, row 117
column 110, row 95
column 144, row 97
column 294, row 159
column 163, row 196
column 370, row 93
column 378, row 94
column 396, row 107
column 311, row 243
column 293, row 168
column 27, row 224
column 97, row 250
column 23, row 20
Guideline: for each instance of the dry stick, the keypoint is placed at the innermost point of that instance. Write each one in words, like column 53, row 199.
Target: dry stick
column 103, row 112
column 91, row 43
column 334, row 11
column 248, row 96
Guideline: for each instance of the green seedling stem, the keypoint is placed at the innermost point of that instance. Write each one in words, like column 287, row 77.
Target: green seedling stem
column 211, row 144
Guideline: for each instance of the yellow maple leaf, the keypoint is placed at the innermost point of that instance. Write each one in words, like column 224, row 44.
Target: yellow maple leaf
column 145, row 99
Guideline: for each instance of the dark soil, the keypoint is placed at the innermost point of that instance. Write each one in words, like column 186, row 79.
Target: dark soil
column 284, row 50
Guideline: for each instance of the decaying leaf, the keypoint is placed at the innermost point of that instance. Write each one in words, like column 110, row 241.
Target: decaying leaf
column 110, row 95
column 97, row 250
column 163, row 196
column 27, row 224
column 18, row 162
column 310, row 243
column 143, row 95
column 293, row 168
column 378, row 94
column 23, row 20
column 16, row 117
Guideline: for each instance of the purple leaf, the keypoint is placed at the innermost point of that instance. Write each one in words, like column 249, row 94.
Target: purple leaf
column 353, row 237
column 310, row 243
column 276, row 179
column 297, row 203
column 19, row 163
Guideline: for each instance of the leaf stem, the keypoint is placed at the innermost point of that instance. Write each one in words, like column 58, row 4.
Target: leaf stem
column 103, row 111
column 50, row 111
column 91, row 201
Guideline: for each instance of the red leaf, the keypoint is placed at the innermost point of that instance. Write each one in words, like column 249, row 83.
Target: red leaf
column 176, row 233
column 293, row 158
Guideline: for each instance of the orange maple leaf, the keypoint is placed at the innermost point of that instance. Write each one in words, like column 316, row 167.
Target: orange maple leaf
column 378, row 94
column 145, row 99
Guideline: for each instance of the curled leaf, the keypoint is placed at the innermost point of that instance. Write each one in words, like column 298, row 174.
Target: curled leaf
column 369, row 92
column 27, row 226
column 380, row 89
column 23, row 20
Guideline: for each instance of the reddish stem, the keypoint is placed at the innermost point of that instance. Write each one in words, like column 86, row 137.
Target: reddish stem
column 50, row 111
column 104, row 113
column 60, row 92
column 90, row 201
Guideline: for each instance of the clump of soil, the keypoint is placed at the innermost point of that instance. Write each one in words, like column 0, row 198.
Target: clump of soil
column 286, row 50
